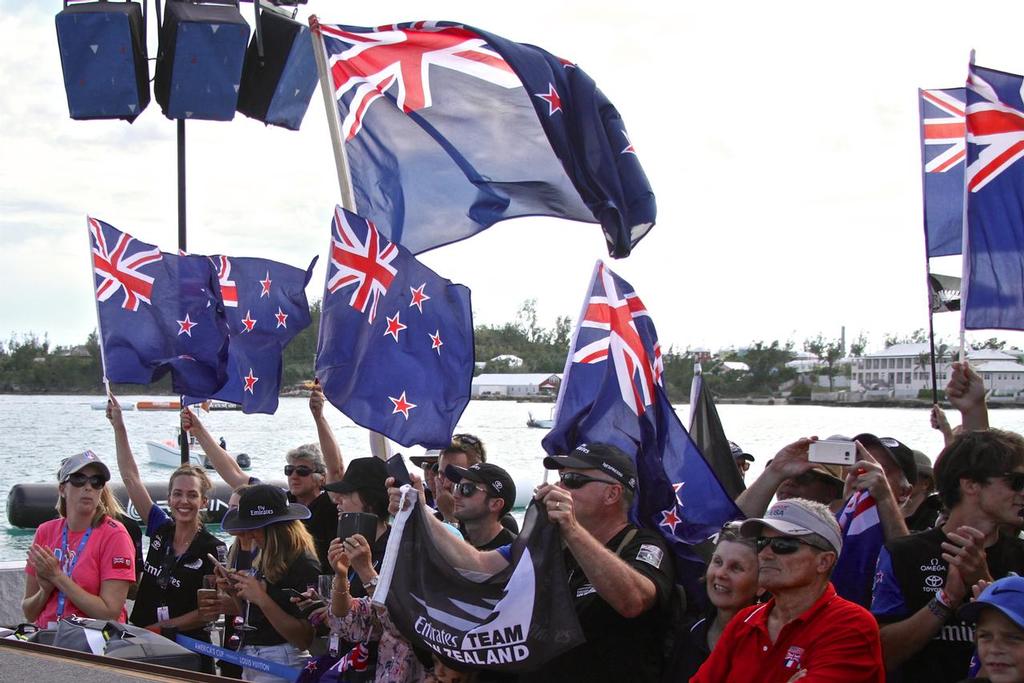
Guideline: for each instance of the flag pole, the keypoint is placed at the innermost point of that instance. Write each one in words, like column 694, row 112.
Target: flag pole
column 931, row 332
column 182, row 248
column 965, row 269
column 379, row 445
column 99, row 322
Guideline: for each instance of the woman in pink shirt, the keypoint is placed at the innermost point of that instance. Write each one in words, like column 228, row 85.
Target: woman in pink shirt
column 83, row 562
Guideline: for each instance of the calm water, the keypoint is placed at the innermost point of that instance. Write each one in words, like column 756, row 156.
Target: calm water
column 38, row 431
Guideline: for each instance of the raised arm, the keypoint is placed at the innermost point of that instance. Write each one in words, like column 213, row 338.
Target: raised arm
column 126, row 461
column 629, row 592
column 791, row 461
column 221, row 460
column 456, row 551
column 328, row 444
column 867, row 475
column 966, row 393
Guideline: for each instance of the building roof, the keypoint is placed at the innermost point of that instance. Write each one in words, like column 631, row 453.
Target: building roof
column 1000, row 366
column 513, row 379
column 914, row 350
column 736, row 365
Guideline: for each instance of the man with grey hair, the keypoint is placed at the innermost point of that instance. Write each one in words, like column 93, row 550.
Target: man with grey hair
column 805, row 629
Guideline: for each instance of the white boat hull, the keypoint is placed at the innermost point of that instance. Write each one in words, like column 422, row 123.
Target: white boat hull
column 168, row 453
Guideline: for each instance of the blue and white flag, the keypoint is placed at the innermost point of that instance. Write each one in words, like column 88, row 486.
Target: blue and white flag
column 612, row 393
column 157, row 313
column 395, row 352
column 993, row 284
column 449, row 129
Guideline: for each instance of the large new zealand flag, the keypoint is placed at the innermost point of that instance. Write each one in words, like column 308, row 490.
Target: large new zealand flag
column 449, row 129
column 157, row 313
column 993, row 286
column 515, row 620
column 942, row 160
column 612, row 392
column 395, row 352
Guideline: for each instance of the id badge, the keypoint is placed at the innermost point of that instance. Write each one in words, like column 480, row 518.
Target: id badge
column 163, row 613
column 334, row 644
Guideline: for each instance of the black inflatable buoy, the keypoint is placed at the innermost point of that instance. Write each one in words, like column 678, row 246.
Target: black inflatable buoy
column 243, row 461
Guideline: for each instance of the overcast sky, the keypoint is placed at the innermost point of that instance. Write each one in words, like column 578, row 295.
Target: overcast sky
column 781, row 140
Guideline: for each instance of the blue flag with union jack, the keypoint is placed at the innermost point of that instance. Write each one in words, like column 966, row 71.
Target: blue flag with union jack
column 450, row 129
column 993, row 282
column 612, row 392
column 943, row 151
column 395, row 352
column 266, row 307
column 854, row 573
column 157, row 313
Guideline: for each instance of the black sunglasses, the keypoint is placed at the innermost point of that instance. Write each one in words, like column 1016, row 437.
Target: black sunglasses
column 97, row 481
column 466, row 438
column 782, row 545
column 576, row 480
column 300, row 470
column 1015, row 480
column 467, row 489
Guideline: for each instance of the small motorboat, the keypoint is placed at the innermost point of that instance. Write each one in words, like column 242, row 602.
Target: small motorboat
column 158, row 405
column 540, row 424
column 168, row 453
column 102, row 405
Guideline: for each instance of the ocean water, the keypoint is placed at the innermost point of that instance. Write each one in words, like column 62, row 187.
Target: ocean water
column 36, row 432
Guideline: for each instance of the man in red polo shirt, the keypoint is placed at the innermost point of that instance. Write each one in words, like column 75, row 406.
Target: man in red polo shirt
column 806, row 631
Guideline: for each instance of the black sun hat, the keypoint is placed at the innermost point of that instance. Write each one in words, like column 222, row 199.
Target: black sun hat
column 260, row 506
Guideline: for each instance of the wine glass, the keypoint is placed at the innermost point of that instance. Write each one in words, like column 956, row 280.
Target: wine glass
column 209, row 591
column 245, row 625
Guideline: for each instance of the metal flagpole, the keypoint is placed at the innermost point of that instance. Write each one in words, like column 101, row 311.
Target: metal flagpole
column 182, row 247
column 99, row 323
column 965, row 270
column 931, row 331
column 379, row 445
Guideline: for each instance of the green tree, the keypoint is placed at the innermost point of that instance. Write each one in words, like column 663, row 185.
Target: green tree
column 990, row 343
column 829, row 352
column 859, row 345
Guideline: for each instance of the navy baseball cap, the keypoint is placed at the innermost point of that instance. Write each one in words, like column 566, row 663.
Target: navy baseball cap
column 598, row 456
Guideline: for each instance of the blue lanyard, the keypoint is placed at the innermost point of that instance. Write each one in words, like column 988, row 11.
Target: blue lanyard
column 69, row 565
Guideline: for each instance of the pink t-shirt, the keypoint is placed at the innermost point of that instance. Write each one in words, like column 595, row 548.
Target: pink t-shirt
column 108, row 555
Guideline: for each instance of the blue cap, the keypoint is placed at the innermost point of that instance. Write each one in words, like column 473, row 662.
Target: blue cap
column 1006, row 595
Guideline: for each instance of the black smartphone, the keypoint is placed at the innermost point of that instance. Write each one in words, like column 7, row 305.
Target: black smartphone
column 352, row 523
column 398, row 470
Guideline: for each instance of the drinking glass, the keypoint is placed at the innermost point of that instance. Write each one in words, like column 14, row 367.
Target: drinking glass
column 326, row 582
column 208, row 590
column 245, row 625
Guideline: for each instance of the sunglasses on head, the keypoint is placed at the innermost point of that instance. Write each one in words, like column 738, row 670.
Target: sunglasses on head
column 1015, row 480
column 466, row 438
column 97, row 481
column 782, row 545
column 467, row 489
column 300, row 470
column 575, row 480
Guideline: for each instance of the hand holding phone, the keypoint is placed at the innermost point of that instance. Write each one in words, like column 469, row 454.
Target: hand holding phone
column 398, row 471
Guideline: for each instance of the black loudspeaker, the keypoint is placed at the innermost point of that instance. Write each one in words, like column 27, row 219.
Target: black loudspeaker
column 277, row 88
column 202, row 48
column 103, row 57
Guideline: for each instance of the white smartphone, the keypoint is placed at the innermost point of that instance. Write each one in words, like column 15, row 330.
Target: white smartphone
column 833, row 452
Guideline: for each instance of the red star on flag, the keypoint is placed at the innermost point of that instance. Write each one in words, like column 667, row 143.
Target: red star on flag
column 418, row 297
column 394, row 327
column 266, row 286
column 248, row 323
column 628, row 149
column 435, row 341
column 552, row 98
column 401, row 405
column 250, row 381
column 670, row 519
column 282, row 318
column 185, row 326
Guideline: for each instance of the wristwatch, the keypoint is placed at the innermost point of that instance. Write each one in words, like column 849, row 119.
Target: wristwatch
column 372, row 583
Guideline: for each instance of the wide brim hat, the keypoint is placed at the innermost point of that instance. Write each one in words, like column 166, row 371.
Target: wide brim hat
column 262, row 505
column 428, row 458
column 361, row 474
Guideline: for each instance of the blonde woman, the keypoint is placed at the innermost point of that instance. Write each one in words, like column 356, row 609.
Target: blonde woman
column 286, row 561
column 83, row 562
column 179, row 545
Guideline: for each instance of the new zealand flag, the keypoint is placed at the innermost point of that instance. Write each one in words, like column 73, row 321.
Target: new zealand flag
column 515, row 620
column 612, row 392
column 266, row 307
column 449, row 129
column 395, row 352
column 157, row 313
column 993, row 286
column 943, row 134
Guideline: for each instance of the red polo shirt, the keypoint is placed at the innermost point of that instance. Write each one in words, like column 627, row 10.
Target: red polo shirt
column 835, row 640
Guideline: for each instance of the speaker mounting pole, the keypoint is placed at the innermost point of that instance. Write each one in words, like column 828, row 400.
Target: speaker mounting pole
column 183, row 247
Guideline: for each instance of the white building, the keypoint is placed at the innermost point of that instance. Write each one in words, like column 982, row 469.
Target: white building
column 905, row 369
column 516, row 384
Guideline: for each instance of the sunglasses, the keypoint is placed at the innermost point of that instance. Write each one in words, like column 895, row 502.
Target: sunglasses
column 300, row 470
column 575, row 480
column 782, row 545
column 97, row 481
column 467, row 489
column 466, row 438
column 1015, row 480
